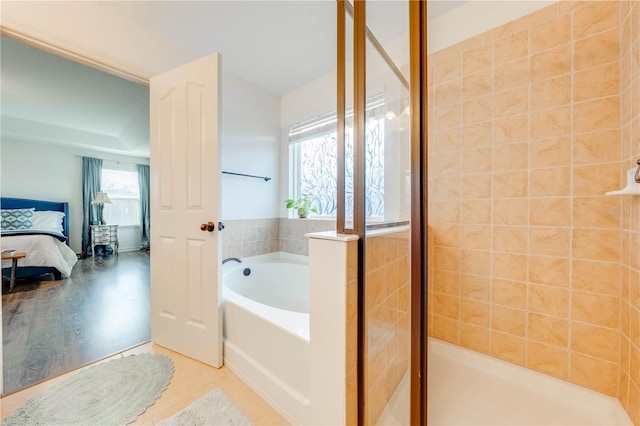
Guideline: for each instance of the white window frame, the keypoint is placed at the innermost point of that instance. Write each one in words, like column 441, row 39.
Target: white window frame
column 129, row 168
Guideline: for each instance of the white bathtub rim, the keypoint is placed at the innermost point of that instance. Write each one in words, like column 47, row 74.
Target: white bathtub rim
column 576, row 395
column 267, row 258
column 296, row 323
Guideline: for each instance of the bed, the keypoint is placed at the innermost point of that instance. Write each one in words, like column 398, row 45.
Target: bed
column 41, row 229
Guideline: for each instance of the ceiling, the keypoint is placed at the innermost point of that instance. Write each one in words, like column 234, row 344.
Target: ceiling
column 276, row 45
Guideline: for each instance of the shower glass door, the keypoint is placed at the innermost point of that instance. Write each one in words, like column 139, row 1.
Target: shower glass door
column 387, row 144
column 387, row 205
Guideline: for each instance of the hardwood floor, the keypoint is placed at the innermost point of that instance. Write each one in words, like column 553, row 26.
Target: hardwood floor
column 102, row 309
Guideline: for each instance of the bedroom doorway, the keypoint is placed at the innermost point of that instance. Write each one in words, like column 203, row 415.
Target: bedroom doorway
column 58, row 111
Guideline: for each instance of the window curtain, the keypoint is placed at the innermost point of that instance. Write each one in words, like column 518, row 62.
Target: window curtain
column 143, row 181
column 91, row 180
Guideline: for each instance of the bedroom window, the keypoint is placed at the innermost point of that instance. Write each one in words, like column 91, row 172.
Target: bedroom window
column 124, row 193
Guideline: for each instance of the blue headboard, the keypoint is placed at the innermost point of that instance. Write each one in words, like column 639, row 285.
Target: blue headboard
column 39, row 205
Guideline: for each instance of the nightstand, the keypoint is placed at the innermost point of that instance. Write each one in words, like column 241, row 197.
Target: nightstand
column 103, row 235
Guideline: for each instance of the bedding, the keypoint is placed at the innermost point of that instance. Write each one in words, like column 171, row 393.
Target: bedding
column 42, row 250
column 41, row 229
column 16, row 218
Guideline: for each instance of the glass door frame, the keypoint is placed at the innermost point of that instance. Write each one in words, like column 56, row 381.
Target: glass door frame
column 418, row 230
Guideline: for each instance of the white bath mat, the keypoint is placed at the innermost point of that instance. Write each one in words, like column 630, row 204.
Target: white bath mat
column 215, row 408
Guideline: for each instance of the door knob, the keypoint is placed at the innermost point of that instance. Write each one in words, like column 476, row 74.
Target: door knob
column 209, row 226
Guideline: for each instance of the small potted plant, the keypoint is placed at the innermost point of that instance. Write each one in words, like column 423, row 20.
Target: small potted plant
column 302, row 205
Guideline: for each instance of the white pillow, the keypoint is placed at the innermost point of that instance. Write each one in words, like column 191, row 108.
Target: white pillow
column 47, row 221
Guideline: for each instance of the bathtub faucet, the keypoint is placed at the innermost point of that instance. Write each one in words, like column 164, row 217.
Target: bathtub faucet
column 229, row 259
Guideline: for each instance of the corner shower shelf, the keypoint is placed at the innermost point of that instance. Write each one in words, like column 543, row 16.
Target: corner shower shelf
column 632, row 187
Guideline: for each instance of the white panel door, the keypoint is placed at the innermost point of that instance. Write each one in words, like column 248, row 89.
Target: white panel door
column 186, row 315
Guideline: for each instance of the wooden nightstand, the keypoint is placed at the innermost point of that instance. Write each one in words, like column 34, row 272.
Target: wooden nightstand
column 103, row 235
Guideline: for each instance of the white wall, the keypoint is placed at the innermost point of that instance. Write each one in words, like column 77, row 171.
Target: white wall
column 250, row 141
column 50, row 172
column 476, row 17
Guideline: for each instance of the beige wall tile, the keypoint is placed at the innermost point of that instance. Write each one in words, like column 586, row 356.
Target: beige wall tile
column 475, row 287
column 447, row 117
column 445, row 329
column 550, row 152
column 595, row 115
column 476, row 185
column 448, row 69
column 595, row 309
column 509, row 293
column 510, row 184
column 596, row 244
column 510, row 266
column 549, row 241
column 548, row 360
column 552, row 182
column 474, row 312
column 551, row 63
column 511, row 47
column 548, row 300
column 598, row 82
column 476, row 160
column 597, row 147
column 512, row 321
column 596, row 50
column 446, row 282
column 446, row 140
column 445, row 306
column 596, row 211
column 512, row 211
column 511, row 157
column 477, row 135
column 511, row 102
column 595, row 374
column 447, row 163
column 477, row 110
column 595, row 179
column 634, row 410
column 476, row 212
column 634, row 327
column 475, row 262
column 550, row 211
column 477, row 236
column 551, row 123
column 445, row 235
column 550, row 93
column 474, row 337
column 510, row 75
column 598, row 277
column 510, row 238
column 511, row 129
column 595, row 341
column 507, row 347
column 595, row 17
column 549, row 270
column 551, row 34
column 477, row 84
column 448, row 93
column 477, row 59
column 548, row 329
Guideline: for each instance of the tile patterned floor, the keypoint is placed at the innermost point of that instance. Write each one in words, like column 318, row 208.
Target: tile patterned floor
column 191, row 380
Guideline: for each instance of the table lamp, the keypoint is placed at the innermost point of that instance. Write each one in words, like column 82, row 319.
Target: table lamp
column 101, row 199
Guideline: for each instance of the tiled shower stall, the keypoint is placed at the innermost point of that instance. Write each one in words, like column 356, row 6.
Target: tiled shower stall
column 530, row 124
